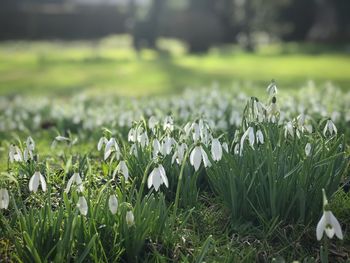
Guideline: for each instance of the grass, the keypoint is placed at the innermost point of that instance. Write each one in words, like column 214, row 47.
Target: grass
column 268, row 212
column 110, row 66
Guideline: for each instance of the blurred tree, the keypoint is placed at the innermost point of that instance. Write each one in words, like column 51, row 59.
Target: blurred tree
column 144, row 22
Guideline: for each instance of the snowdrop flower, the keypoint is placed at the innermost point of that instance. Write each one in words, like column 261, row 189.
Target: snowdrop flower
column 27, row 154
column 82, row 205
column 330, row 127
column 328, row 222
column 179, row 153
column 167, row 145
column 157, row 177
column 216, row 150
column 152, row 122
column 77, row 180
column 288, row 129
column 130, row 221
column 4, row 198
column 259, row 137
column 308, row 149
column 168, row 123
column 132, row 135
column 101, row 142
column 272, row 89
column 272, row 111
column 156, row 147
column 15, row 154
column 35, row 180
column 123, row 169
column 143, row 139
column 113, row 204
column 197, row 155
column 30, row 143
column 196, row 132
column 251, row 138
column 61, row 138
column 112, row 143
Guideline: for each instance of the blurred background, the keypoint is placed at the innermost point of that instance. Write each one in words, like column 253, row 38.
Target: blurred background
column 146, row 47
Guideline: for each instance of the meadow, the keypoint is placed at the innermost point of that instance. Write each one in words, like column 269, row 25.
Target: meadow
column 111, row 66
column 109, row 155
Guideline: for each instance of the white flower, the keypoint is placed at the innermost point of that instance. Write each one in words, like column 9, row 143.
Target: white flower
column 167, row 145
column 4, row 198
column 272, row 89
column 101, row 142
column 132, row 135
column 156, row 147
column 216, row 150
column 259, row 137
column 330, row 127
column 143, row 139
column 113, row 204
column 168, row 123
column 15, row 154
column 157, row 177
column 61, row 138
column 123, row 169
column 30, row 143
column 82, row 205
column 288, row 129
column 328, row 222
column 308, row 149
column 179, row 153
column 77, row 180
column 130, row 221
column 196, row 132
column 35, row 180
column 251, row 138
column 152, row 122
column 27, row 154
column 112, row 143
column 197, row 155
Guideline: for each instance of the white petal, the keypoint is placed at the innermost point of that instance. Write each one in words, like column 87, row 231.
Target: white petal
column 321, row 227
column 308, row 149
column 157, row 179
column 196, row 157
column 43, row 182
column 4, row 198
column 100, row 143
column 206, row 161
column 130, row 218
column 163, row 175
column 245, row 134
column 82, row 205
column 34, row 182
column 336, row 226
column 113, row 204
column 150, row 179
column 69, row 184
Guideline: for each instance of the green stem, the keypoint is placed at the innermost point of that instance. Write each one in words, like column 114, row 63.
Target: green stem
column 180, row 181
column 144, row 179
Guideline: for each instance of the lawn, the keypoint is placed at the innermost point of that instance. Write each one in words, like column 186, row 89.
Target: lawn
column 111, row 66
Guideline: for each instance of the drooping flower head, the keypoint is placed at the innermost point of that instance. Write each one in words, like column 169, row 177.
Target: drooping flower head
column 328, row 222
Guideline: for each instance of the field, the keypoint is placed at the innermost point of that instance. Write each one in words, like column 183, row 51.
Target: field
column 111, row 66
column 109, row 155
